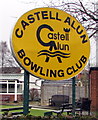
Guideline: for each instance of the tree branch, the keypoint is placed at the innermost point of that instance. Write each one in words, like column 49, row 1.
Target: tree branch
column 91, row 16
column 93, row 34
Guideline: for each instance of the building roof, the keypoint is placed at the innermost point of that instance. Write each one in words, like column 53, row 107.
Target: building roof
column 68, row 81
column 12, row 70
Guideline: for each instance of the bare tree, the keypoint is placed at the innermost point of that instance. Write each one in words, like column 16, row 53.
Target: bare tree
column 6, row 58
column 85, row 13
column 34, row 94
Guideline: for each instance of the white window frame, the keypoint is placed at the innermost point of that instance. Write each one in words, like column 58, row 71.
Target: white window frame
column 6, row 81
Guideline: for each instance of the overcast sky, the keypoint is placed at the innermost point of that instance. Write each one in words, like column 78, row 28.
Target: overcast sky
column 11, row 10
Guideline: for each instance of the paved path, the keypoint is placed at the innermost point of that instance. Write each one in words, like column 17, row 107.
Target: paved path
column 42, row 108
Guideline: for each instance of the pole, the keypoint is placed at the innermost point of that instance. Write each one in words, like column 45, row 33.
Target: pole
column 15, row 99
column 73, row 95
column 26, row 93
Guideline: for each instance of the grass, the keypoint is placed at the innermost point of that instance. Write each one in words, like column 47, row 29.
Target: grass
column 35, row 112
column 7, row 106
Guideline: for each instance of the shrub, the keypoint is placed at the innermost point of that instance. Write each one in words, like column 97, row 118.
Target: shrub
column 60, row 117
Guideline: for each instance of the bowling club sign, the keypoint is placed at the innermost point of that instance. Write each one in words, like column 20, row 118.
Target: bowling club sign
column 50, row 44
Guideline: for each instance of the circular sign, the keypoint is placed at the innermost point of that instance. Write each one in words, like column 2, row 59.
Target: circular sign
column 50, row 44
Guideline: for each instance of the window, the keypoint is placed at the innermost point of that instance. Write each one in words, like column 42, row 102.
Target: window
column 19, row 88
column 11, row 88
column 8, row 86
column 3, row 88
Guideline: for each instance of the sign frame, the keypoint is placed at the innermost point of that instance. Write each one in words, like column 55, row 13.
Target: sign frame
column 51, row 50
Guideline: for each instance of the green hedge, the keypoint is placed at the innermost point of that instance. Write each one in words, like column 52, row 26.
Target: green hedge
column 61, row 117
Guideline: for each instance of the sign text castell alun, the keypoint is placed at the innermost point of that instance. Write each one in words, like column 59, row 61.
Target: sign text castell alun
column 50, row 44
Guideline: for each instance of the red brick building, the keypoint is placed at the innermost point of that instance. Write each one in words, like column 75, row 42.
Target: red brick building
column 94, row 88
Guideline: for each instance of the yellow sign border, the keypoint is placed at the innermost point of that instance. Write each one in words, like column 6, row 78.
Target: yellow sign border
column 54, row 34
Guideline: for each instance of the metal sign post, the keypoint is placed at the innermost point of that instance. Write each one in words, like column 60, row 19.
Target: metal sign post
column 73, row 95
column 26, row 93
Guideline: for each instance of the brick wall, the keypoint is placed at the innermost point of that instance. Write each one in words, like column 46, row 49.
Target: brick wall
column 94, row 88
column 8, row 98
